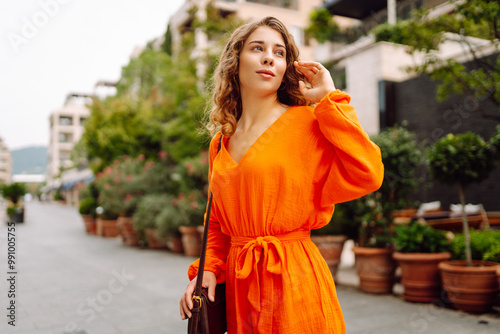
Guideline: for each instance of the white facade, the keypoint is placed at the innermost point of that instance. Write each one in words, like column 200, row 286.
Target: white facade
column 66, row 129
column 5, row 164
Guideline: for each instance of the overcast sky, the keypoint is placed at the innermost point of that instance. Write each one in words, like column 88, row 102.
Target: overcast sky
column 49, row 48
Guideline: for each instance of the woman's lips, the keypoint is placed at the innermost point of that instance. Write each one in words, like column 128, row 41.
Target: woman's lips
column 266, row 74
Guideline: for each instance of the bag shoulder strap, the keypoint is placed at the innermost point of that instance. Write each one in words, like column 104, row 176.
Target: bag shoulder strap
column 201, row 267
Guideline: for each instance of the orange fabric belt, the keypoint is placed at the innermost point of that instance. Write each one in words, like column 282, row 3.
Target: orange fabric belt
column 269, row 252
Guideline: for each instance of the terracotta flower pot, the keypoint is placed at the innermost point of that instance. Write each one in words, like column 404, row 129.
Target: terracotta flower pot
column 174, row 243
column 191, row 241
column 107, row 228
column 127, row 231
column 153, row 241
column 330, row 247
column 90, row 224
column 471, row 289
column 420, row 275
column 376, row 269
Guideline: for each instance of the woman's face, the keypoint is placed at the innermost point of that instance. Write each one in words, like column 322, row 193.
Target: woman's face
column 262, row 61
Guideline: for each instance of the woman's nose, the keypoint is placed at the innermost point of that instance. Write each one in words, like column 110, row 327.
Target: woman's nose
column 267, row 60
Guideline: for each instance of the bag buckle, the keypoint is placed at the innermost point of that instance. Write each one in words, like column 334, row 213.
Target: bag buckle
column 198, row 298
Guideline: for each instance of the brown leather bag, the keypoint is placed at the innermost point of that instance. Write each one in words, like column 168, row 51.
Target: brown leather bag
column 207, row 317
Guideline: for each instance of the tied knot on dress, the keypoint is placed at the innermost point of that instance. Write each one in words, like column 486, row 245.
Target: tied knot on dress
column 260, row 259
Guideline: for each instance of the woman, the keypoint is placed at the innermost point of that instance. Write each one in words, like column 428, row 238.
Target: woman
column 282, row 167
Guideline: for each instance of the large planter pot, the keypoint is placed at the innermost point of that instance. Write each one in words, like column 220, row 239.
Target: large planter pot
column 153, row 241
column 127, row 231
column 107, row 227
column 174, row 243
column 376, row 269
column 420, row 275
column 471, row 289
column 330, row 247
column 191, row 241
column 90, row 224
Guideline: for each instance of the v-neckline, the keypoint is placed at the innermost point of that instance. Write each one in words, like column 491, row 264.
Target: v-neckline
column 255, row 142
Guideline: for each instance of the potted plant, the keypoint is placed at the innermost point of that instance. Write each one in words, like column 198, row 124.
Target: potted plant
column 461, row 160
column 401, row 157
column 144, row 219
column 14, row 192
column 87, row 209
column 419, row 250
column 168, row 222
column 330, row 240
column 88, row 205
column 190, row 210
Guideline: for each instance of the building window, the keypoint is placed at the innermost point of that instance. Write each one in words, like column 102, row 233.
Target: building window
column 339, row 78
column 290, row 4
column 65, row 120
column 82, row 120
column 65, row 137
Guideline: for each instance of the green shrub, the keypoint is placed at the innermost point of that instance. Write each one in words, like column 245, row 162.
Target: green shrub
column 13, row 191
column 11, row 211
column 485, row 245
column 87, row 206
column 148, row 209
column 419, row 238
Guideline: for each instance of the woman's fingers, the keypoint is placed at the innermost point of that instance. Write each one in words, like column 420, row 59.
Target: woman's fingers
column 186, row 303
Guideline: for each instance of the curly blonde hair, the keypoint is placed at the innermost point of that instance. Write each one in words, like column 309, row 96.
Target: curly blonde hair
column 227, row 106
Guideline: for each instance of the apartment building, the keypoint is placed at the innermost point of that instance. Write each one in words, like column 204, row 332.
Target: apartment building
column 66, row 129
column 5, row 164
column 293, row 13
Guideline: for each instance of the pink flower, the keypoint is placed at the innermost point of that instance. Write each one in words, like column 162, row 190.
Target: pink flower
column 141, row 157
column 189, row 167
column 99, row 175
column 129, row 178
column 194, row 205
column 204, row 160
column 128, row 197
column 181, row 196
column 117, row 179
column 125, row 157
column 107, row 186
column 108, row 170
column 191, row 197
column 116, row 162
column 162, row 155
column 175, row 202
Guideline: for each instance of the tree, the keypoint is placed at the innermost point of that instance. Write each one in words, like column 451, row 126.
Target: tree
column 322, row 27
column 14, row 191
column 473, row 24
column 461, row 160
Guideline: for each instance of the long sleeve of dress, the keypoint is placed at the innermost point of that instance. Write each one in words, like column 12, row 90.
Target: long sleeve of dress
column 357, row 168
column 218, row 242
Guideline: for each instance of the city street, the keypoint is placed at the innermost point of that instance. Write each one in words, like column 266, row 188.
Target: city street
column 71, row 282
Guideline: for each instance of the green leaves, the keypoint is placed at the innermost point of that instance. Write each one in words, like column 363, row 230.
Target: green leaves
column 419, row 238
column 13, row 191
column 472, row 19
column 322, row 27
column 464, row 158
column 485, row 245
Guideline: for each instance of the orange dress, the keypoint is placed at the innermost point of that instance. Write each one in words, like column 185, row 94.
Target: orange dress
column 265, row 206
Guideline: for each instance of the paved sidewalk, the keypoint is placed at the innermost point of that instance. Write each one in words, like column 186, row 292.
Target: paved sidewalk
column 71, row 282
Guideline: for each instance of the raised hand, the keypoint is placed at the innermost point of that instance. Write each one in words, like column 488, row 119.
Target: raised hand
column 318, row 77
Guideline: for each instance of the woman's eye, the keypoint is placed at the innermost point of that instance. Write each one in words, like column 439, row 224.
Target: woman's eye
column 280, row 53
column 258, row 47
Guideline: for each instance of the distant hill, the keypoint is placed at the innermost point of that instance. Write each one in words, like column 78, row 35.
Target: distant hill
column 29, row 160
